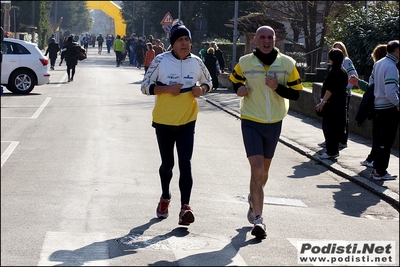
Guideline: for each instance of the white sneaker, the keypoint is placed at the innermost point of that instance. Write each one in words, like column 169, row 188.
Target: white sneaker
column 376, row 177
column 259, row 228
column 326, row 156
column 367, row 163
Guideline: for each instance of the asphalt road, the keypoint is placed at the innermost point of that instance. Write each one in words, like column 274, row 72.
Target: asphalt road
column 79, row 184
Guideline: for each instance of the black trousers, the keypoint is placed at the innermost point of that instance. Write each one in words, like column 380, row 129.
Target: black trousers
column 345, row 135
column 386, row 123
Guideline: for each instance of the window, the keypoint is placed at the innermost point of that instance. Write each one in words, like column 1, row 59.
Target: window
column 12, row 48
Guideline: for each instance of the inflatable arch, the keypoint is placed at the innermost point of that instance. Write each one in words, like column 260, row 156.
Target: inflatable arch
column 114, row 11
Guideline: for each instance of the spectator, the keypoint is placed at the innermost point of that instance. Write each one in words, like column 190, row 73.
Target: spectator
column 157, row 48
column 177, row 78
column 378, row 53
column 212, row 65
column 385, row 77
column 350, row 70
column 203, row 51
column 218, row 55
column 132, row 52
column 333, row 103
column 140, row 52
column 150, row 55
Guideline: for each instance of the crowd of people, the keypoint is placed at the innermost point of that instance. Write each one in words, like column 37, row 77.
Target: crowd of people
column 336, row 95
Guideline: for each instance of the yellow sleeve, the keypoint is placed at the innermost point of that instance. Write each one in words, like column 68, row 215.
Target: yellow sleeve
column 237, row 75
column 294, row 80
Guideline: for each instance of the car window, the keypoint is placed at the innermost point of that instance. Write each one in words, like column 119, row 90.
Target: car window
column 5, row 48
column 12, row 48
column 21, row 49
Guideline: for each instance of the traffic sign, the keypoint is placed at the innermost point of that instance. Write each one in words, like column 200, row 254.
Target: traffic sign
column 167, row 28
column 167, row 20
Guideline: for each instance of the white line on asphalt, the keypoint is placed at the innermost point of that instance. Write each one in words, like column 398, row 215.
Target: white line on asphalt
column 40, row 109
column 62, row 80
column 8, row 151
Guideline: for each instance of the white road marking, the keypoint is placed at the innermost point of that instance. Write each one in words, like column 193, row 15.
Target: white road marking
column 40, row 109
column 9, row 151
column 62, row 80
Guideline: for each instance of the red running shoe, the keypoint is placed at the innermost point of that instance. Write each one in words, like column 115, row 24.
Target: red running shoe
column 162, row 208
column 186, row 216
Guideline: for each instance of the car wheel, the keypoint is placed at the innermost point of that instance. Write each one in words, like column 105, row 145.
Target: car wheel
column 22, row 82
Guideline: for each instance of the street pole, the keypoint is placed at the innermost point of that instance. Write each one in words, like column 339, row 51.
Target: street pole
column 7, row 23
column 33, row 21
column 144, row 21
column 179, row 12
column 235, row 22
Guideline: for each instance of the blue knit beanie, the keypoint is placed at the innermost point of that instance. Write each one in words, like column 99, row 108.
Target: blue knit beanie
column 178, row 31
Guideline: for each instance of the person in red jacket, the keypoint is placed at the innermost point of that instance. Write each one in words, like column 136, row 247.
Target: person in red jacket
column 150, row 55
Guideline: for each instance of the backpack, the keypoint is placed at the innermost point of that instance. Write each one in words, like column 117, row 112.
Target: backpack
column 366, row 108
column 78, row 52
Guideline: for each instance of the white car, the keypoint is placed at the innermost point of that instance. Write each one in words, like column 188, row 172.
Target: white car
column 23, row 66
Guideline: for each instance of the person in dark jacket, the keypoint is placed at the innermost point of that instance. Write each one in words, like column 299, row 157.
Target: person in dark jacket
column 218, row 55
column 333, row 104
column 66, row 54
column 52, row 50
column 211, row 62
column 140, row 53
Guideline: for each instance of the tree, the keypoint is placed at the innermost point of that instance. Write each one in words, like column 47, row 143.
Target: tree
column 190, row 11
column 41, row 14
column 308, row 20
column 364, row 28
column 76, row 16
column 44, row 23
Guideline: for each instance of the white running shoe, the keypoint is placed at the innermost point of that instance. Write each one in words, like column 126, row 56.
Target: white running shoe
column 326, row 156
column 376, row 177
column 259, row 230
column 367, row 163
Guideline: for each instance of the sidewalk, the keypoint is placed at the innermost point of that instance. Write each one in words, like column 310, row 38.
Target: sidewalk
column 302, row 134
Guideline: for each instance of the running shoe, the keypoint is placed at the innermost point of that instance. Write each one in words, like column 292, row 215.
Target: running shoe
column 377, row 177
column 186, row 216
column 259, row 230
column 326, row 156
column 162, row 208
column 367, row 163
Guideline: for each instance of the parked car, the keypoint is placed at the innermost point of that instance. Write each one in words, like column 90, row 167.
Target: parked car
column 23, row 67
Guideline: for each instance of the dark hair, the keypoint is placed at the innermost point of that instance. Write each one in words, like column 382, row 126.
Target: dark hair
column 336, row 55
column 392, row 45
